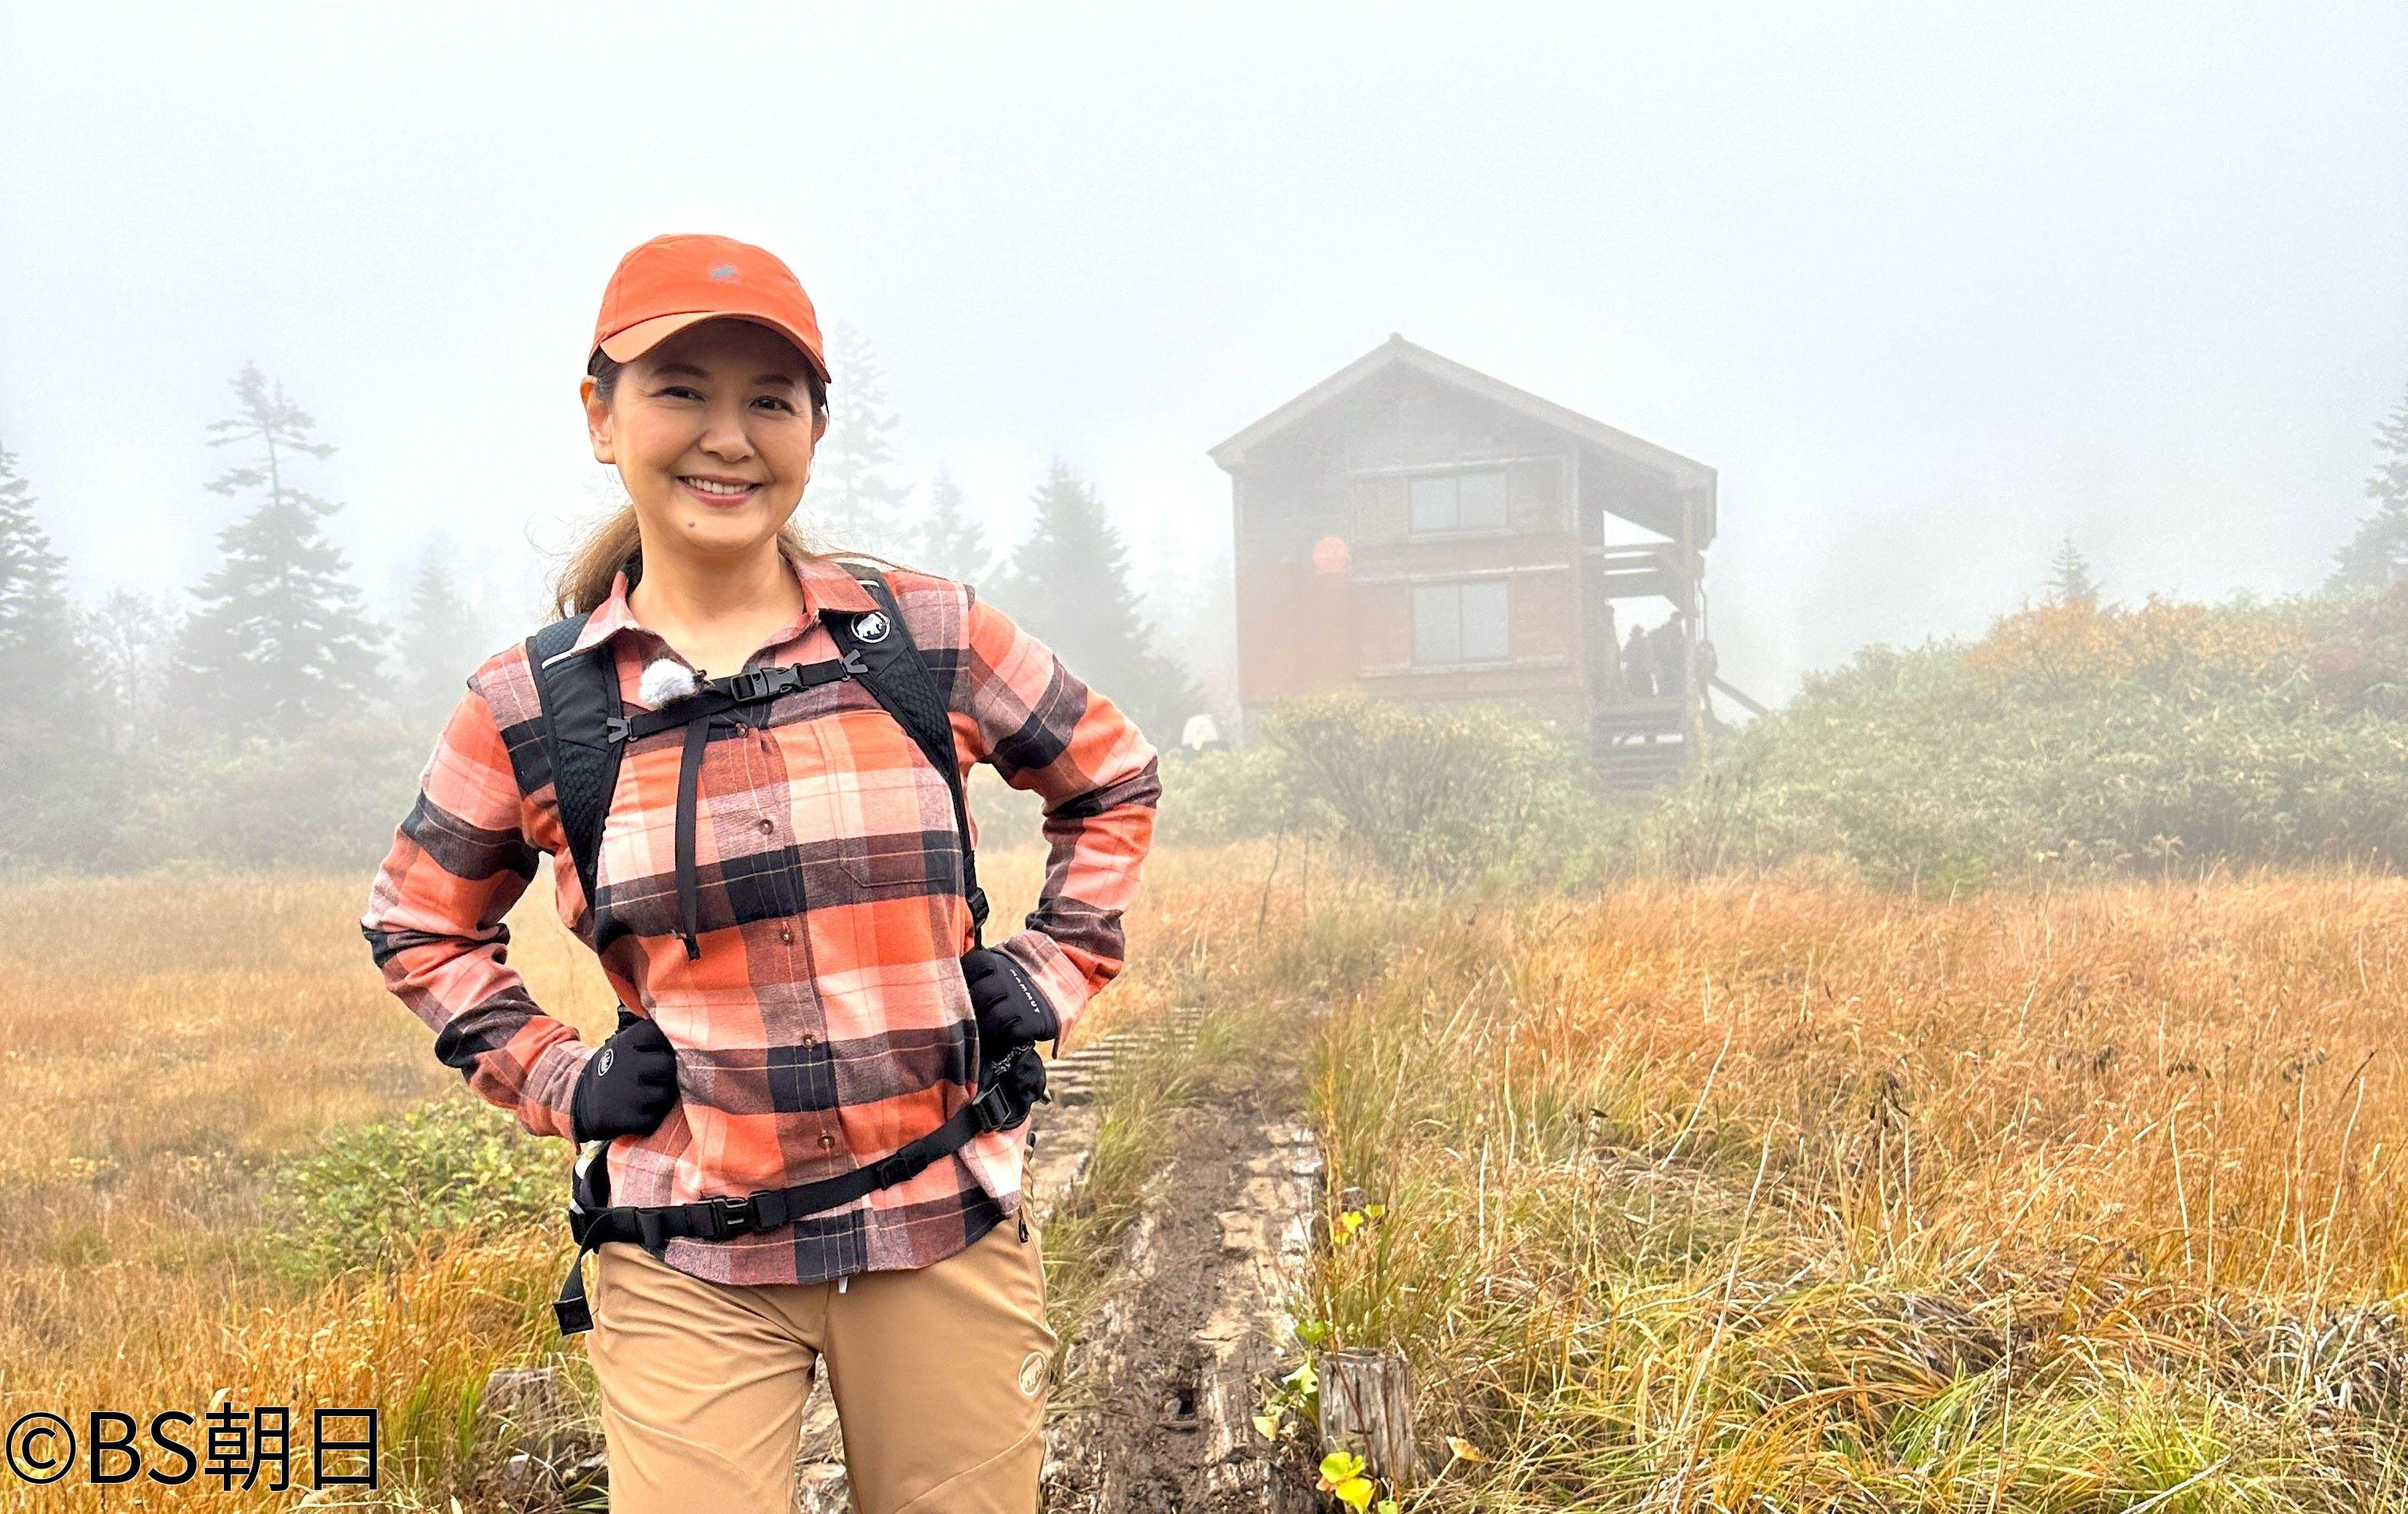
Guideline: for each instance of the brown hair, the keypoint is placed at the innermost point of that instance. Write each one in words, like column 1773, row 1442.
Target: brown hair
column 584, row 581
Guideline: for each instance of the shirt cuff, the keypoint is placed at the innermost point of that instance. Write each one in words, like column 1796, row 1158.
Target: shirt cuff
column 551, row 1085
column 1065, row 986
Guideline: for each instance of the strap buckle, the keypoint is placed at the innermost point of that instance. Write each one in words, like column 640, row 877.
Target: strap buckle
column 615, row 726
column 854, row 663
column 894, row 1167
column 725, row 1217
column 996, row 1107
column 756, row 684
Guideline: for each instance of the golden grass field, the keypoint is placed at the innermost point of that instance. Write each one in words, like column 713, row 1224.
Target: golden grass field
column 1765, row 1194
column 1761, row 1194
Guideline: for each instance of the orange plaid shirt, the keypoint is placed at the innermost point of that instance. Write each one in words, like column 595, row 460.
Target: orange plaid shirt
column 826, row 1022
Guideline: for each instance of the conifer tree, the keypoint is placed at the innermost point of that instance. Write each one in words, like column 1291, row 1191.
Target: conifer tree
column 278, row 644
column 59, row 785
column 1069, row 586
column 39, row 655
column 441, row 642
column 2070, row 580
column 951, row 544
column 852, row 500
column 2376, row 556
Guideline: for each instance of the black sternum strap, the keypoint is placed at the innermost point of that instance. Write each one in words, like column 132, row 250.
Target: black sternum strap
column 720, row 695
column 698, row 713
column 689, row 776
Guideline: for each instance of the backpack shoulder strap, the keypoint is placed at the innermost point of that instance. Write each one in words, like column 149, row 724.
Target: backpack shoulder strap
column 899, row 678
column 579, row 696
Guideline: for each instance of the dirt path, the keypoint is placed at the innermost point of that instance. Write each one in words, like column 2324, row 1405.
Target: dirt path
column 1161, row 1406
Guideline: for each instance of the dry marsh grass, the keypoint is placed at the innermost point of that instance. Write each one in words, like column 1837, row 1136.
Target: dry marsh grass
column 1777, row 1194
column 1763, row 1194
column 165, row 1041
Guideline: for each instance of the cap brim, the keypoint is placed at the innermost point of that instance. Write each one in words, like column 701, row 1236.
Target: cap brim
column 642, row 337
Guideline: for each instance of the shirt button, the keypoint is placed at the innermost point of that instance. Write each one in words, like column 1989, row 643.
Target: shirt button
column 768, row 824
column 786, row 935
column 827, row 1143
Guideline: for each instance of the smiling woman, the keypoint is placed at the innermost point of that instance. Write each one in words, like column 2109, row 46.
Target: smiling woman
column 810, row 1114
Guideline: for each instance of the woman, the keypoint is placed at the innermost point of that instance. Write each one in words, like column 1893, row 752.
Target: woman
column 801, row 994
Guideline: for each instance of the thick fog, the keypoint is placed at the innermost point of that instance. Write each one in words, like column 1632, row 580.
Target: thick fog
column 1929, row 287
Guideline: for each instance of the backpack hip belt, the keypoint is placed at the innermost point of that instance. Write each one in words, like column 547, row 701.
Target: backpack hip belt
column 1013, row 1086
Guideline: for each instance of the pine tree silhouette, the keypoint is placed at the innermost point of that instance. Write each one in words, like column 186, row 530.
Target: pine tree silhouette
column 1069, row 586
column 278, row 645
column 2376, row 555
column 441, row 642
column 39, row 655
column 951, row 544
column 60, row 788
column 2069, row 579
column 851, row 502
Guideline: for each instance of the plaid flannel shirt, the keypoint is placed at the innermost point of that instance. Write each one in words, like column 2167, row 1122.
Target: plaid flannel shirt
column 826, row 1022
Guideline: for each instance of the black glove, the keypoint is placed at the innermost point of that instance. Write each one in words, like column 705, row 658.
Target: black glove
column 628, row 1087
column 1011, row 1012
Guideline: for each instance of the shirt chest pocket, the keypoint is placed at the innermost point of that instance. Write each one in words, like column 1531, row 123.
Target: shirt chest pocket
column 872, row 816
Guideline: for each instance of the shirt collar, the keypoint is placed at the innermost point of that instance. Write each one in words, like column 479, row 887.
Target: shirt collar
column 825, row 587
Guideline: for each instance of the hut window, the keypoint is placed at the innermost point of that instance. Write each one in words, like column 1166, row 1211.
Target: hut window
column 1470, row 501
column 1458, row 623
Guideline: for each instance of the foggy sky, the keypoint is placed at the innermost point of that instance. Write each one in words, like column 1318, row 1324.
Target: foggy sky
column 1927, row 285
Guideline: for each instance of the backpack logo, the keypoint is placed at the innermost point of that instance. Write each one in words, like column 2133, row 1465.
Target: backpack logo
column 872, row 626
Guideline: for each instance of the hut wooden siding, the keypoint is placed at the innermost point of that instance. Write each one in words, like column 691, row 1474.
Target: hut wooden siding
column 1328, row 562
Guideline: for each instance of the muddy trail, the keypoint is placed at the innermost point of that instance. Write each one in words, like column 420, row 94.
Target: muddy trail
column 1157, row 1414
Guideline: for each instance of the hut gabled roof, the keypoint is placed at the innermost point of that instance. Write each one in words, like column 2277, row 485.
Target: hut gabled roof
column 1682, row 473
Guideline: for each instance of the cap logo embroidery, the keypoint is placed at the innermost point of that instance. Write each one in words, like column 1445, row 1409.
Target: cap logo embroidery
column 723, row 273
column 872, row 626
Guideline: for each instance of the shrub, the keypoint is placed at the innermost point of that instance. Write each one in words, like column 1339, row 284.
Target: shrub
column 1223, row 794
column 2074, row 740
column 368, row 1195
column 330, row 802
column 1443, row 798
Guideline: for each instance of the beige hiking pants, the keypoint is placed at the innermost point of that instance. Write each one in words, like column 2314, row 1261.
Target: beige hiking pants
column 939, row 1375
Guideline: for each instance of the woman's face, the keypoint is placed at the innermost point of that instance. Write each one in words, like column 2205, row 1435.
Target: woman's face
column 723, row 402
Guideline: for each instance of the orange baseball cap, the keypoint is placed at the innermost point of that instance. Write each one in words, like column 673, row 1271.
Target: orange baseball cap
column 671, row 281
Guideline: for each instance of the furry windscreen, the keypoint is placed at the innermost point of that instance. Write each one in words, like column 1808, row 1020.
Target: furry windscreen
column 665, row 682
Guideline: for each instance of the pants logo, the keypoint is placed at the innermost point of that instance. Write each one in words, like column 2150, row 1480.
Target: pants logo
column 1032, row 1373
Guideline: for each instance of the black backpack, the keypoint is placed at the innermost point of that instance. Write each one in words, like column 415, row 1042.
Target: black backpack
column 585, row 727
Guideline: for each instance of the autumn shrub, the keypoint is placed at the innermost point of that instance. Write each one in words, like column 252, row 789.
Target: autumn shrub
column 369, row 1195
column 2076, row 740
column 1447, row 798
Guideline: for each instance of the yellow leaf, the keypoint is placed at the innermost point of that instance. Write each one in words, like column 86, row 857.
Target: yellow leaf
column 1464, row 1450
column 1337, row 1468
column 1268, row 1424
column 1356, row 1492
